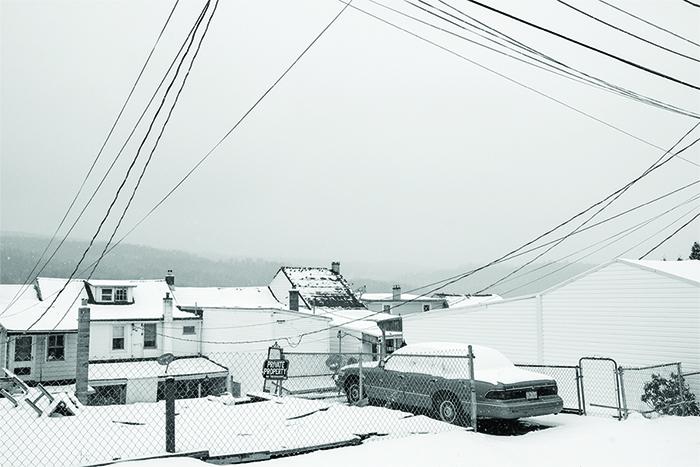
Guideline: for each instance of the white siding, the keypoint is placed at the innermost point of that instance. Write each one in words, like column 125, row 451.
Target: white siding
column 509, row 326
column 635, row 316
column 245, row 360
column 280, row 287
column 101, row 339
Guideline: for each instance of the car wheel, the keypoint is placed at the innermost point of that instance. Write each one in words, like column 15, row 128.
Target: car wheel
column 448, row 409
column 352, row 391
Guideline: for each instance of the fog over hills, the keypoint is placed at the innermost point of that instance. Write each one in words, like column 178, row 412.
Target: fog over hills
column 19, row 253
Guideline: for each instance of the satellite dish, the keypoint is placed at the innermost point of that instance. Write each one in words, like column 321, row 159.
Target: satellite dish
column 165, row 359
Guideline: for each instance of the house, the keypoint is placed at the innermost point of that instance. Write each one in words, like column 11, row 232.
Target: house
column 246, row 321
column 400, row 304
column 636, row 312
column 454, row 300
column 38, row 343
column 132, row 322
column 324, row 292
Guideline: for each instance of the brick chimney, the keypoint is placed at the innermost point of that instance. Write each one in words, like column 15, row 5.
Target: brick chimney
column 170, row 279
column 167, row 323
column 335, row 267
column 294, row 300
column 396, row 292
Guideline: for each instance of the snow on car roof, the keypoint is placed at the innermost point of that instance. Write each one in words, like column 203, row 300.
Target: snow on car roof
column 489, row 364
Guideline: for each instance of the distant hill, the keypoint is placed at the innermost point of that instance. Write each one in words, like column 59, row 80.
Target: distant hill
column 19, row 252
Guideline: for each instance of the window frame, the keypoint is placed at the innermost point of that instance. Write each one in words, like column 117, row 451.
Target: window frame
column 118, row 291
column 31, row 349
column 102, row 294
column 122, row 337
column 56, row 346
column 193, row 333
column 153, row 326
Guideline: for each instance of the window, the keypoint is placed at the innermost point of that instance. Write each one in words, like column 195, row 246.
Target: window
column 120, row 294
column 426, row 307
column 24, row 371
column 106, row 295
column 149, row 336
column 117, row 337
column 55, row 348
column 387, row 308
column 188, row 330
column 23, row 349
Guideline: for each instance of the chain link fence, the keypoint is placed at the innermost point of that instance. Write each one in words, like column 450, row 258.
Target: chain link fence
column 659, row 389
column 568, row 382
column 221, row 407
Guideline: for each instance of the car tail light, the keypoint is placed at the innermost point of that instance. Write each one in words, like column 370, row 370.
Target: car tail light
column 496, row 394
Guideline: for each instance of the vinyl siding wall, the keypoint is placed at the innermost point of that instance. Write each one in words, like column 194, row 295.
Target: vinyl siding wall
column 635, row 316
column 509, row 326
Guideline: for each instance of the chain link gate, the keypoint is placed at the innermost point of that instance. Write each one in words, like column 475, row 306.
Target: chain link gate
column 600, row 386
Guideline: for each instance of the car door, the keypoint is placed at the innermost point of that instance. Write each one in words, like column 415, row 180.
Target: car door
column 386, row 384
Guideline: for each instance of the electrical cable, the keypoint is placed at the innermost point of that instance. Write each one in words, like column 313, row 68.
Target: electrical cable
column 497, row 73
column 621, row 235
column 548, row 63
column 658, row 163
column 128, row 172
column 670, row 236
column 648, row 22
column 584, row 45
column 28, row 279
column 558, row 64
column 627, row 32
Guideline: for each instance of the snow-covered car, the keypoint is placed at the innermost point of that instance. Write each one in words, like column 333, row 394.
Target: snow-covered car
column 435, row 377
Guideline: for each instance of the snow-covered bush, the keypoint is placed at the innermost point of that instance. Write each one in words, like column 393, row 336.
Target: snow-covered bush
column 664, row 396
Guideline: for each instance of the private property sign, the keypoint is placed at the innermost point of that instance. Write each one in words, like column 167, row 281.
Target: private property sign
column 275, row 369
column 276, row 366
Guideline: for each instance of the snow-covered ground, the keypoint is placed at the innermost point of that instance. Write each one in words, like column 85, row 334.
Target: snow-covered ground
column 571, row 441
column 107, row 433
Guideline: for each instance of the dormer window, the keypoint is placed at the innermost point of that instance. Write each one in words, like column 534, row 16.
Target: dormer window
column 120, row 294
column 106, row 295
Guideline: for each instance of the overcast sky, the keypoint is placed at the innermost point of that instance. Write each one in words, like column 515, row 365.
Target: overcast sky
column 376, row 147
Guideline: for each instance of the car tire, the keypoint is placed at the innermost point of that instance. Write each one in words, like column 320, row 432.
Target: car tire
column 448, row 409
column 352, row 391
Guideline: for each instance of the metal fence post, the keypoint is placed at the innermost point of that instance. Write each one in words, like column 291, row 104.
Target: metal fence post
column 472, row 389
column 680, row 389
column 359, row 362
column 621, row 372
column 170, row 414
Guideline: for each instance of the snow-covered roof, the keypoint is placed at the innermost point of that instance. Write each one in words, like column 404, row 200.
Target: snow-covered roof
column 123, row 370
column 321, row 287
column 62, row 316
column 689, row 269
column 466, row 299
column 389, row 297
column 360, row 320
column 114, row 282
column 226, row 297
column 147, row 303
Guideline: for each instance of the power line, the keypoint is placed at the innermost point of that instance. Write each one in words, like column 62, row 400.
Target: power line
column 622, row 234
column 94, row 162
column 670, row 236
column 658, row 163
column 232, row 128
column 128, row 172
column 696, row 5
column 627, row 32
column 648, row 22
column 550, row 64
column 587, row 46
column 508, row 78
column 155, row 146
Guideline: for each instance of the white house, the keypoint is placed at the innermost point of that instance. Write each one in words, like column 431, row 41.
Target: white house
column 324, row 292
column 636, row 312
column 401, row 304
